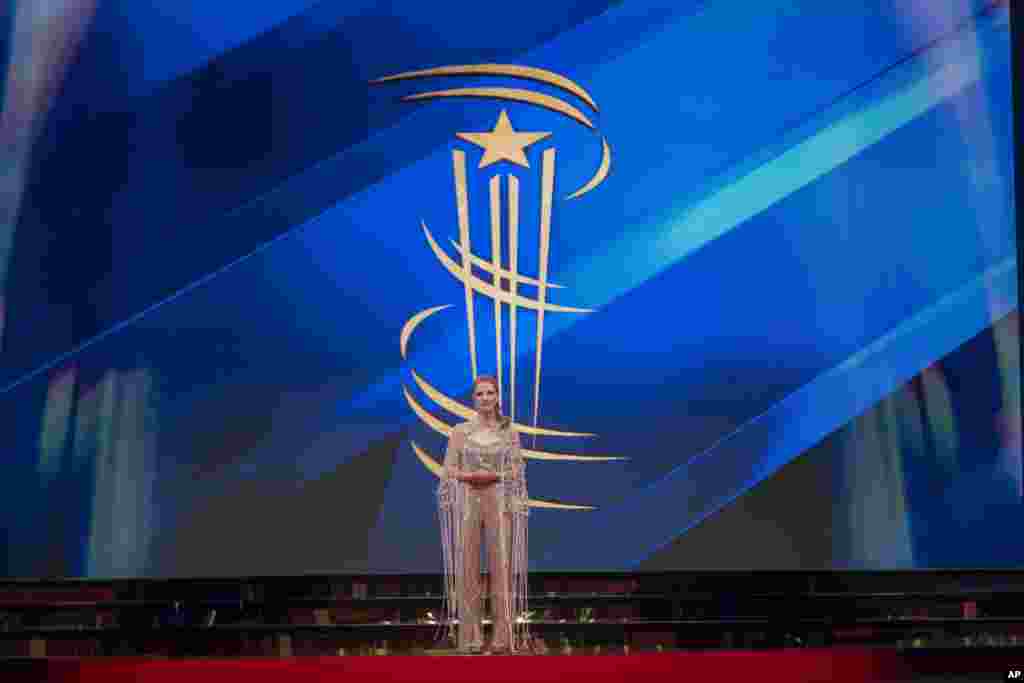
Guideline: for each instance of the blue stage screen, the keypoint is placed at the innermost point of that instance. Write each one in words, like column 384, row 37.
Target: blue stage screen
column 748, row 276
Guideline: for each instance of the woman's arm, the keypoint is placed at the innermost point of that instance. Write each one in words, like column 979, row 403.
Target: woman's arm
column 453, row 461
column 515, row 478
column 513, row 470
column 517, row 462
column 453, row 456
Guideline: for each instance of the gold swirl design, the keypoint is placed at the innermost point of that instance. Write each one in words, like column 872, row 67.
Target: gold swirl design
column 513, row 70
column 502, row 144
column 602, row 172
column 515, row 95
column 511, row 94
column 599, row 176
column 488, row 289
column 414, row 322
column 445, row 430
column 507, row 274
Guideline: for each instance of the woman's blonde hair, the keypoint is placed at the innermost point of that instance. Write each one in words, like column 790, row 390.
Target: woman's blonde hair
column 503, row 420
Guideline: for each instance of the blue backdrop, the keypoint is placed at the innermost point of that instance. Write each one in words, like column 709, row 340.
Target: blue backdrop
column 216, row 236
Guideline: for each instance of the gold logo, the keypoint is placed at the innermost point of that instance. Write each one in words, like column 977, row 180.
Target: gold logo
column 503, row 143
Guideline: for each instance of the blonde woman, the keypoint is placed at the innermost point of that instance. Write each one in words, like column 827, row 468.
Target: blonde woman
column 483, row 498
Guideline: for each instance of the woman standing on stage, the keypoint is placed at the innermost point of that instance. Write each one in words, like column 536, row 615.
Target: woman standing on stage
column 483, row 494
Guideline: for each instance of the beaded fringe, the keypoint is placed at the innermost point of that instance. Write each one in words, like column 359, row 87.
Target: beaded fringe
column 452, row 501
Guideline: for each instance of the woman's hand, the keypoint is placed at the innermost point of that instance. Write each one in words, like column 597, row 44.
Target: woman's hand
column 479, row 479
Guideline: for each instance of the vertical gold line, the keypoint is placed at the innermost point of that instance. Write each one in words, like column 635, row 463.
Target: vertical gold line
column 462, row 204
column 496, row 260
column 547, row 191
column 513, row 284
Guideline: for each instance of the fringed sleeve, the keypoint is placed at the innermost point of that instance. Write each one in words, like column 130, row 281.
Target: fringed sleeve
column 451, row 503
column 517, row 505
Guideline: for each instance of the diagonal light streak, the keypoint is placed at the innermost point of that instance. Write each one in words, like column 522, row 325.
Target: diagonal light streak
column 728, row 207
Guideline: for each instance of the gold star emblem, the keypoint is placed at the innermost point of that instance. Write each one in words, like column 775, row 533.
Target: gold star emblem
column 503, row 143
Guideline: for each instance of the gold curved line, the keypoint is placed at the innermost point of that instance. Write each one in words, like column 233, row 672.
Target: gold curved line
column 513, row 70
column 547, row 194
column 517, row 95
column 513, row 286
column 414, row 322
column 553, row 505
column 462, row 207
column 467, row 413
column 487, row 288
column 600, row 174
column 445, row 430
column 568, row 457
column 433, row 465
column 513, row 95
column 426, row 416
column 488, row 267
column 437, row 470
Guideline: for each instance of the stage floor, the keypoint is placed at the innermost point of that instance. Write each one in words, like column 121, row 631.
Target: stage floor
column 826, row 664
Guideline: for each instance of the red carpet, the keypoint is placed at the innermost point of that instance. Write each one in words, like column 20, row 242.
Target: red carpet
column 779, row 665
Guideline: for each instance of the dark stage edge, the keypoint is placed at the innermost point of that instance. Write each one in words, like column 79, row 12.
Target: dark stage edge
column 835, row 664
column 349, row 615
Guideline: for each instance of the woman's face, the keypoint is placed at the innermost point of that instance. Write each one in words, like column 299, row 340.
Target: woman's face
column 485, row 397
